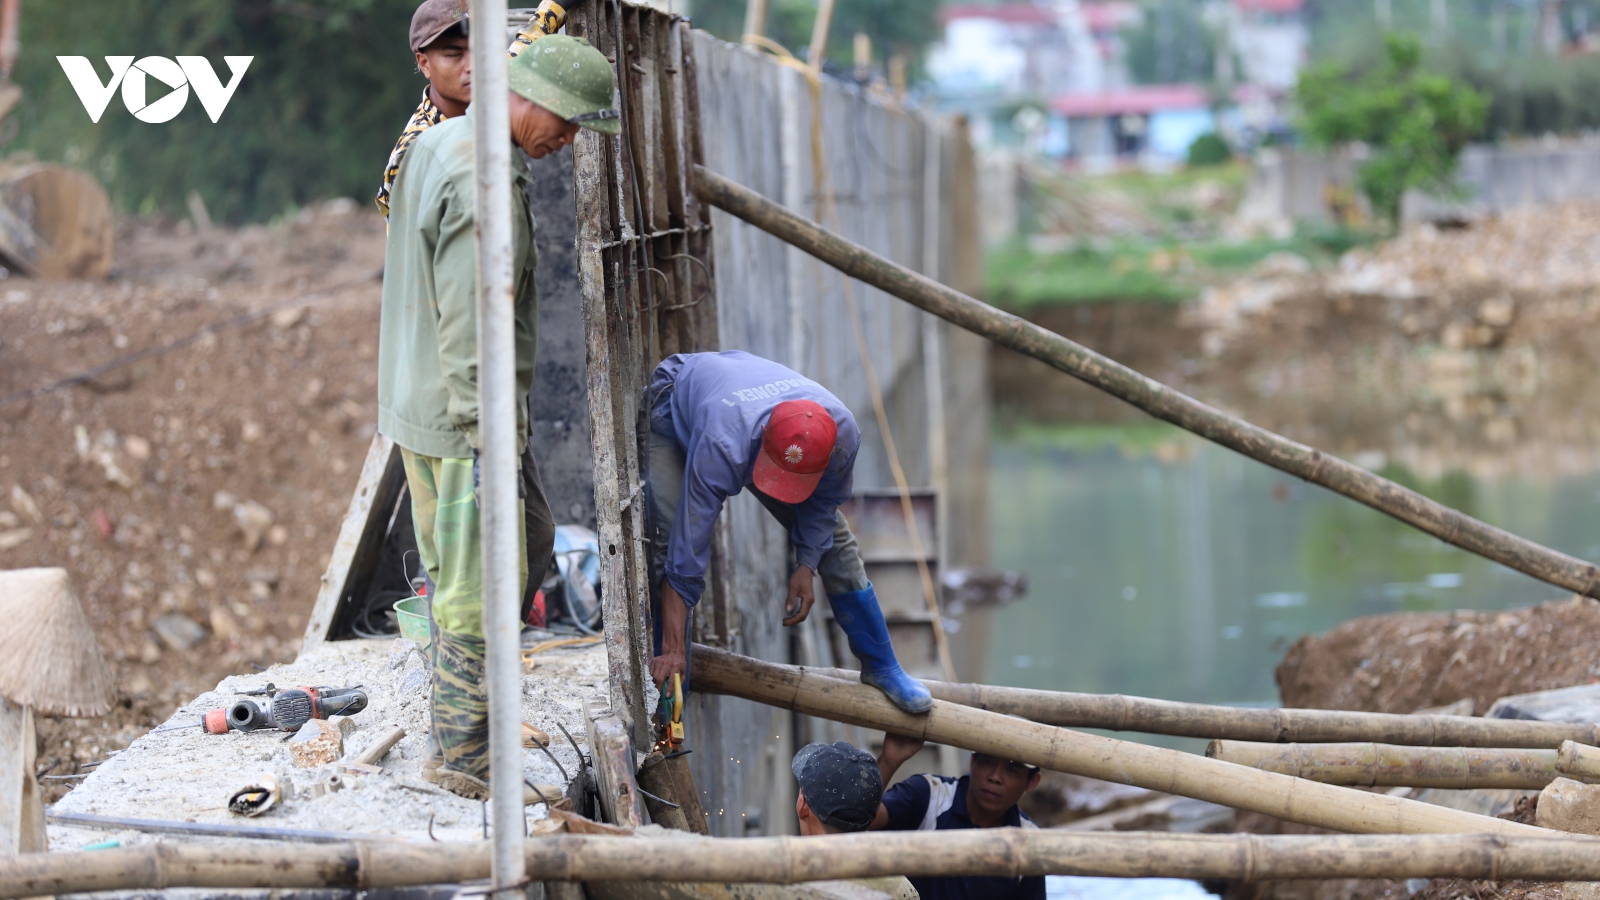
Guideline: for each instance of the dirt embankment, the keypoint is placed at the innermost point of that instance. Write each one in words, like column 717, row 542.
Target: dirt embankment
column 193, row 496
column 1409, row 661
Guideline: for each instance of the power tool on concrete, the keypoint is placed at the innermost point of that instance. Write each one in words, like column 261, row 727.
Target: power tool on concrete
column 286, row 710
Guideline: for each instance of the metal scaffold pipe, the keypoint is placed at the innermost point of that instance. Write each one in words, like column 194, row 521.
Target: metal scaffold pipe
column 497, row 416
column 1016, row 333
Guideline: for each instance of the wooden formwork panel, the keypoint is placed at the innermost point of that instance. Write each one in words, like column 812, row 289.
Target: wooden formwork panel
column 645, row 265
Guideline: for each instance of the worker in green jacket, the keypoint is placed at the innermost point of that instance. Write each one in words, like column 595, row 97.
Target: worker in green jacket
column 428, row 367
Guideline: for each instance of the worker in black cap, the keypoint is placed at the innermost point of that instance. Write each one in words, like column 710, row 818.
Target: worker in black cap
column 840, row 792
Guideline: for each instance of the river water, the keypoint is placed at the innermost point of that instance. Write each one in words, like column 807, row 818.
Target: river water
column 1165, row 566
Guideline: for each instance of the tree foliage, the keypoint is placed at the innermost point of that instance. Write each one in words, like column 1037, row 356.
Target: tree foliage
column 906, row 26
column 1172, row 44
column 1209, row 149
column 331, row 85
column 1414, row 122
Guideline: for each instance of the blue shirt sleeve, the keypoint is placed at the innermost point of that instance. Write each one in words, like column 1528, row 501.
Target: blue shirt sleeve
column 709, row 479
column 1031, row 888
column 907, row 803
column 817, row 516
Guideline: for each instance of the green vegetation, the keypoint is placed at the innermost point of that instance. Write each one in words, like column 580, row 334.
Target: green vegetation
column 1169, row 249
column 1173, row 44
column 904, row 26
column 1144, row 270
column 1415, row 122
column 1496, row 48
column 332, row 84
column 1209, row 149
column 1131, row 439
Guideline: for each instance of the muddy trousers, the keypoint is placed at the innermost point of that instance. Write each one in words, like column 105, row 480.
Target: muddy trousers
column 450, row 542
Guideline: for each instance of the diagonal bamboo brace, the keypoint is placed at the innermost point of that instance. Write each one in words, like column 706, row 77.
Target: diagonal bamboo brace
column 1119, row 712
column 1078, row 753
column 1007, row 330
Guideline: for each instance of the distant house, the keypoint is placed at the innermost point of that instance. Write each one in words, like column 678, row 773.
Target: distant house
column 994, row 59
column 1049, row 78
column 1149, row 124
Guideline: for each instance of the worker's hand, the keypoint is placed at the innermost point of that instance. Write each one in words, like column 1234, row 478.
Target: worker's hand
column 668, row 664
column 802, row 594
column 674, row 654
column 477, row 477
column 897, row 749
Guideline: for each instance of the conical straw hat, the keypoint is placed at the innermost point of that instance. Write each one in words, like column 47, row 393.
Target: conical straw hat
column 49, row 659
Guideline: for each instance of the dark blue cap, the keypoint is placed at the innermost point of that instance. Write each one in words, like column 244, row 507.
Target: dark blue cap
column 841, row 784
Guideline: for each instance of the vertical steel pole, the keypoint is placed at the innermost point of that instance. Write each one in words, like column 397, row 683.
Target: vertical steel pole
column 497, row 429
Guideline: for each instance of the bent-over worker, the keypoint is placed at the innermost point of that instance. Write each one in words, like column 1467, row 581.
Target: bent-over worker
column 986, row 797
column 725, row 422
column 428, row 369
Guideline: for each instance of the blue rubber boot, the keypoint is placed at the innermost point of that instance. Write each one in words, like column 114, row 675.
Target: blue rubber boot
column 858, row 613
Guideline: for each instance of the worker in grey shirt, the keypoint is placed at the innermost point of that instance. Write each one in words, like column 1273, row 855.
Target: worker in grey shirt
column 724, row 422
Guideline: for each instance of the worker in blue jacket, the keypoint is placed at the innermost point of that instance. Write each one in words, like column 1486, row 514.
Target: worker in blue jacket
column 725, row 422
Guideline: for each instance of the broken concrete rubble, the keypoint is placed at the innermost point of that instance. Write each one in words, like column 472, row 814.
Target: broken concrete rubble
column 189, row 775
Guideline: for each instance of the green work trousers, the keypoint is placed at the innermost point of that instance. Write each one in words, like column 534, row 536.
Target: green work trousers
column 450, row 540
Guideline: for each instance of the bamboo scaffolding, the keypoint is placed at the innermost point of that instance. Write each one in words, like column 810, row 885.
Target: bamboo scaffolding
column 1118, row 712
column 1078, row 753
column 1387, row 765
column 791, row 860
column 1157, row 399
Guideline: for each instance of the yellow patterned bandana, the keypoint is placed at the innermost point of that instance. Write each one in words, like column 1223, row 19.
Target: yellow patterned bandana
column 426, row 116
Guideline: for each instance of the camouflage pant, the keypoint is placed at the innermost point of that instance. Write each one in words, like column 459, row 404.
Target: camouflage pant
column 450, row 543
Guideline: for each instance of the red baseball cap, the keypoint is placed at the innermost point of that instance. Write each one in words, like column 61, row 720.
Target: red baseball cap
column 796, row 444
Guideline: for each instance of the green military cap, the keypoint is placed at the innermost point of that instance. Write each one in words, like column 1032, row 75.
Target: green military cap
column 571, row 79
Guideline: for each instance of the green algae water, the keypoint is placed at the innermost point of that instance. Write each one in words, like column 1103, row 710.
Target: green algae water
column 1165, row 566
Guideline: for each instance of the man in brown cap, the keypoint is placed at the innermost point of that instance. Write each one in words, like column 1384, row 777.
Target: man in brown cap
column 439, row 42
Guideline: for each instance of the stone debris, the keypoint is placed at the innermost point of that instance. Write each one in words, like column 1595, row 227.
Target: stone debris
column 177, row 631
column 1571, row 806
column 317, row 743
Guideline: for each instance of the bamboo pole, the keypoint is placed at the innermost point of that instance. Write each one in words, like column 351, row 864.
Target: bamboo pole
column 1387, row 765
column 1078, row 753
column 1118, row 712
column 1010, row 852
column 1313, row 465
column 1579, row 761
